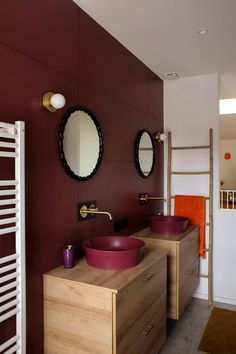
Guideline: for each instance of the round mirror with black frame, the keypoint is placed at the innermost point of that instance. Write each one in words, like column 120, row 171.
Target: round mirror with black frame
column 80, row 143
column 144, row 153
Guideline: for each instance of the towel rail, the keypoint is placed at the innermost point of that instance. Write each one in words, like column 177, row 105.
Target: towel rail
column 7, row 125
column 9, row 201
column 9, row 267
column 8, row 145
column 9, row 295
column 9, row 314
column 8, row 230
column 9, row 211
column 4, row 134
column 8, row 154
column 12, row 223
column 8, row 258
column 13, row 349
column 9, row 286
column 9, row 342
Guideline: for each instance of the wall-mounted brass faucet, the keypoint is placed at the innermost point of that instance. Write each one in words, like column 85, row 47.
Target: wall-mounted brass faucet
column 144, row 198
column 84, row 211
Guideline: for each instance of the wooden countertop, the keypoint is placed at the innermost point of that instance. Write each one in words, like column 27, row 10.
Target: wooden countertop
column 147, row 233
column 112, row 280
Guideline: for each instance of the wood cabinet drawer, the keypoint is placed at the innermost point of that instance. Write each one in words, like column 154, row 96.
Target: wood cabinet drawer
column 139, row 295
column 188, row 251
column 187, row 285
column 147, row 334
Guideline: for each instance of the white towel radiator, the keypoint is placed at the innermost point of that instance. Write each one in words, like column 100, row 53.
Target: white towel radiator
column 12, row 224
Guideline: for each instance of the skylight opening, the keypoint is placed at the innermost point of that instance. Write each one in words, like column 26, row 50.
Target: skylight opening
column 227, row 106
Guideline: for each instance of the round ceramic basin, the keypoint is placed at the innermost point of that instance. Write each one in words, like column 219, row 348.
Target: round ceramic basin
column 168, row 224
column 113, row 252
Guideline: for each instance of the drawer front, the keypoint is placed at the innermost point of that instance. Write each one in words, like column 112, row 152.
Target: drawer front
column 76, row 318
column 148, row 333
column 187, row 285
column 188, row 270
column 139, row 295
column 188, row 250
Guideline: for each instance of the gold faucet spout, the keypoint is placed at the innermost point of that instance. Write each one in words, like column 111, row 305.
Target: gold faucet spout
column 93, row 210
column 96, row 211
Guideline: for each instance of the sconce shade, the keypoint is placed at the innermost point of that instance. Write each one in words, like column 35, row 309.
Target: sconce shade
column 160, row 137
column 53, row 101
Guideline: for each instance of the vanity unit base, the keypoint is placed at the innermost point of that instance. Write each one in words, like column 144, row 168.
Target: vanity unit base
column 89, row 310
column 182, row 265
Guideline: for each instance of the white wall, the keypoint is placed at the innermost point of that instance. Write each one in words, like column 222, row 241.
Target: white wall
column 227, row 168
column 190, row 109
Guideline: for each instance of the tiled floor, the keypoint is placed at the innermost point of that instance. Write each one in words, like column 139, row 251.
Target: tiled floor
column 183, row 336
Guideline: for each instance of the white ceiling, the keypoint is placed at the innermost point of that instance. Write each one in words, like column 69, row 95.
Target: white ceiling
column 163, row 33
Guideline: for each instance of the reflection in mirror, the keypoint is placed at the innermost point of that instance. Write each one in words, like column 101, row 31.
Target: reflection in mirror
column 227, row 161
column 80, row 143
column 144, row 153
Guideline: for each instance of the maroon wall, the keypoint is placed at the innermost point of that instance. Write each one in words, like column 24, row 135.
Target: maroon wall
column 51, row 45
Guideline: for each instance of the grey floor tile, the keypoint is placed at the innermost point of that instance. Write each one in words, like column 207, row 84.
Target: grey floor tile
column 184, row 335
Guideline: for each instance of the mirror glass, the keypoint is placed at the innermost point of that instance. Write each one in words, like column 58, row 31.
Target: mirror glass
column 80, row 143
column 144, row 153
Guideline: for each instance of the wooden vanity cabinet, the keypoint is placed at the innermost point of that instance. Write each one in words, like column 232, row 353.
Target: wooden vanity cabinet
column 89, row 310
column 182, row 265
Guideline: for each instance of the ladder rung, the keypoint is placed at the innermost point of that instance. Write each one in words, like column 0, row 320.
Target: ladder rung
column 173, row 197
column 190, row 173
column 190, row 147
column 203, row 276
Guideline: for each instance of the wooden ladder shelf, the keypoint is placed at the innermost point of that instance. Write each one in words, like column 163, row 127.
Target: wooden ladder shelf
column 209, row 198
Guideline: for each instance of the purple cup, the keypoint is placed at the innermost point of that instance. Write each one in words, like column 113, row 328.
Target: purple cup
column 68, row 256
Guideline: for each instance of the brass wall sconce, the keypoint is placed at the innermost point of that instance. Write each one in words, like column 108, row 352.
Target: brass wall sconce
column 145, row 197
column 160, row 137
column 53, row 101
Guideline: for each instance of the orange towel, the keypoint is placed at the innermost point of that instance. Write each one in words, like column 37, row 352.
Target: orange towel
column 193, row 208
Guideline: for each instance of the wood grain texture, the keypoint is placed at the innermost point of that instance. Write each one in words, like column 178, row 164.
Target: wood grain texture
column 88, row 332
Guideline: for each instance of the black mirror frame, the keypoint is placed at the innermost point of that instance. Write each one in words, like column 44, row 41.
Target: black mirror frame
column 61, row 150
column 137, row 141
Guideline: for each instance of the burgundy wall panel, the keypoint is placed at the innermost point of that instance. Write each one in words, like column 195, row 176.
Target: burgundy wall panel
column 23, row 84
column 93, row 70
column 106, row 65
column 154, row 95
column 44, row 30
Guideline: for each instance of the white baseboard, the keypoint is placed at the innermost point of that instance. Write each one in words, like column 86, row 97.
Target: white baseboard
column 225, row 300
column 200, row 296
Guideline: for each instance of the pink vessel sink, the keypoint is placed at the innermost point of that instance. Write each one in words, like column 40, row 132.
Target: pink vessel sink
column 168, row 224
column 113, row 252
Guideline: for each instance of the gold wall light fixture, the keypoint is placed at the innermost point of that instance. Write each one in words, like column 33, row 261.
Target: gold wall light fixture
column 160, row 137
column 53, row 101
